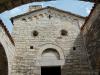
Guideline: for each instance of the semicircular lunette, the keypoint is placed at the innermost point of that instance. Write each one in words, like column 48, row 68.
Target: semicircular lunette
column 50, row 54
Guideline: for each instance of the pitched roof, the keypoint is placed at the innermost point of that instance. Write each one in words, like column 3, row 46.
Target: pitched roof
column 48, row 7
column 7, row 32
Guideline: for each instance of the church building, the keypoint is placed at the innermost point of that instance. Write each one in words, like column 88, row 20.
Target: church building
column 48, row 41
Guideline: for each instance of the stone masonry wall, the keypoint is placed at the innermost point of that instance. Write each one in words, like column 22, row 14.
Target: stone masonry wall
column 49, row 23
column 91, row 33
column 7, row 51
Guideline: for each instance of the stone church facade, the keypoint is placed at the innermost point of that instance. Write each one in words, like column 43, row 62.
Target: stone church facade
column 48, row 38
column 46, row 41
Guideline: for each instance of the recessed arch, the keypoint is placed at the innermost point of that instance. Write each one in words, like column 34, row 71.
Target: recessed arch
column 50, row 54
column 46, row 46
column 50, row 50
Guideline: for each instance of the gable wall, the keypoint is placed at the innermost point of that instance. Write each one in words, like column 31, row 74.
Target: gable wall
column 75, row 61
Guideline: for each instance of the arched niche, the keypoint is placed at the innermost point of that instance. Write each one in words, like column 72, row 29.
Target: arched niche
column 50, row 55
column 3, row 61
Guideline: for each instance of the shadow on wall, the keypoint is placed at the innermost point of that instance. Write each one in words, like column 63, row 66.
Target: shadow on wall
column 3, row 62
column 92, row 40
column 77, row 62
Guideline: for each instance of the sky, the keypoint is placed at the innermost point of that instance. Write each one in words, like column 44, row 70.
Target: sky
column 74, row 6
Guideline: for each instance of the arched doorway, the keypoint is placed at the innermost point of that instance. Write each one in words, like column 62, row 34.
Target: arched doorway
column 3, row 61
column 49, row 55
column 50, row 59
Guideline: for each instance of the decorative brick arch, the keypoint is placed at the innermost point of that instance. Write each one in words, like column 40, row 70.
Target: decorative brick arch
column 50, row 63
